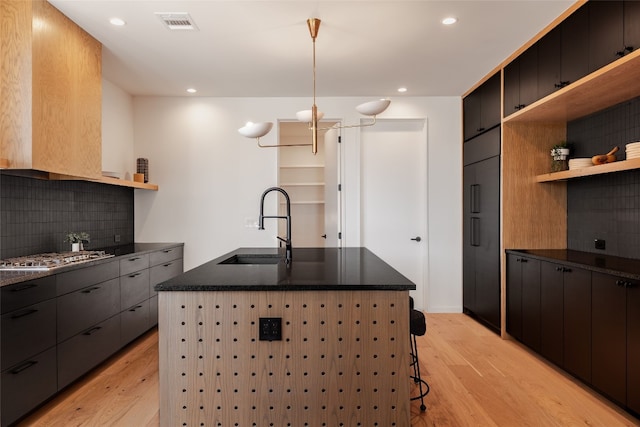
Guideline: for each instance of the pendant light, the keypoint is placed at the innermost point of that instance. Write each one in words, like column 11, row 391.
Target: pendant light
column 313, row 116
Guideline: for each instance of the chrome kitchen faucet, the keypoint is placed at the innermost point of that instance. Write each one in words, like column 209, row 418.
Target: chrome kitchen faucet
column 286, row 241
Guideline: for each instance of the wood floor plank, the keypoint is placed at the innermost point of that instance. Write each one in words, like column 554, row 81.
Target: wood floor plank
column 476, row 379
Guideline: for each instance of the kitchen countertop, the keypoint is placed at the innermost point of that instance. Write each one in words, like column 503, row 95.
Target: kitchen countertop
column 617, row 266
column 11, row 277
column 310, row 269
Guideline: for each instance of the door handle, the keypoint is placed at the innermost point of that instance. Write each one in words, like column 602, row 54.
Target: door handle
column 417, row 239
column 324, row 236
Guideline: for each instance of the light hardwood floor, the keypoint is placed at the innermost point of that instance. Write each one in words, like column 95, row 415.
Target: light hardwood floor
column 476, row 378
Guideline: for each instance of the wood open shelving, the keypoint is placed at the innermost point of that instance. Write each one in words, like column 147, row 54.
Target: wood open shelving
column 107, row 180
column 620, row 166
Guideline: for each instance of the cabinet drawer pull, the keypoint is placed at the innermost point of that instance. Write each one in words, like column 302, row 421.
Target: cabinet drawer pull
column 619, row 283
column 558, row 268
column 92, row 330
column 134, row 259
column 135, row 308
column 24, row 287
column 88, row 291
column 24, row 313
column 166, row 251
column 566, row 270
column 24, row 366
column 134, row 275
column 167, row 265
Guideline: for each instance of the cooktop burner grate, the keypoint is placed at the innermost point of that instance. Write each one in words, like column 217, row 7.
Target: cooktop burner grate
column 50, row 261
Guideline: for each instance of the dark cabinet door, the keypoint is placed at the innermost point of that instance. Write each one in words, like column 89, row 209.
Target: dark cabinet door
column 577, row 322
column 549, row 63
column 609, row 335
column 512, row 87
column 605, row 33
column 529, row 76
column 631, row 11
column 514, row 296
column 575, row 46
column 481, row 249
column 481, row 108
column 633, row 346
column 531, row 303
column 551, row 312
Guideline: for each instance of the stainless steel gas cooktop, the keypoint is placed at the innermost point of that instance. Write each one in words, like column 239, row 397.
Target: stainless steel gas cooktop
column 50, row 261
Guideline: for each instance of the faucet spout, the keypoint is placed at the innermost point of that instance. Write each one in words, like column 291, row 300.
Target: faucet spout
column 287, row 217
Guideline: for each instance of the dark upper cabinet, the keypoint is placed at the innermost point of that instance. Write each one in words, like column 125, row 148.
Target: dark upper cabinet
column 609, row 335
column 481, row 108
column 575, row 46
column 606, row 42
column 549, row 63
column 521, row 81
column 631, row 10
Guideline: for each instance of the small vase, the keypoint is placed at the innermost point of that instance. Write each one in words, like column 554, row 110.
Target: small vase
column 75, row 247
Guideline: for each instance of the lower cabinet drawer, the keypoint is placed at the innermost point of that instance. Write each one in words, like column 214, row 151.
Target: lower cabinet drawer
column 27, row 384
column 162, row 272
column 79, row 310
column 134, row 321
column 134, row 287
column 79, row 354
column 28, row 331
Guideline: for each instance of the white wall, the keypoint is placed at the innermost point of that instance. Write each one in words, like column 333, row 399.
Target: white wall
column 211, row 178
column 117, row 130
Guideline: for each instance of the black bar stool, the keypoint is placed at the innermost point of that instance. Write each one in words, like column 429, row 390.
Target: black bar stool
column 417, row 327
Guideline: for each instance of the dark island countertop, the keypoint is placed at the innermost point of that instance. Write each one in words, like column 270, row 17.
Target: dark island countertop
column 311, row 269
column 607, row 264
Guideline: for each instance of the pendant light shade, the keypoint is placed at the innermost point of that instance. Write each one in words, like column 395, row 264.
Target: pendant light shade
column 313, row 116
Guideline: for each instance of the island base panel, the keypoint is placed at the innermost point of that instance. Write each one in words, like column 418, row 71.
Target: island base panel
column 343, row 358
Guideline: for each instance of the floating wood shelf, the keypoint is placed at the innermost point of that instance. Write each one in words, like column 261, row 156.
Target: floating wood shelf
column 608, row 86
column 107, row 180
column 620, row 166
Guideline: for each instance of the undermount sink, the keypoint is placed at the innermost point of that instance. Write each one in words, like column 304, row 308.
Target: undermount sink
column 252, row 259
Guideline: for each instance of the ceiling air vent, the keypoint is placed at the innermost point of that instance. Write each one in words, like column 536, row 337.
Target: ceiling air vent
column 177, row 21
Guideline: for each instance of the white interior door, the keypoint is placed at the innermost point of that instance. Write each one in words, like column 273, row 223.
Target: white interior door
column 331, row 194
column 394, row 197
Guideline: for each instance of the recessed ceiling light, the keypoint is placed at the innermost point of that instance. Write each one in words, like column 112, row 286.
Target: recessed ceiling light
column 191, row 90
column 117, row 22
column 450, row 20
column 402, row 89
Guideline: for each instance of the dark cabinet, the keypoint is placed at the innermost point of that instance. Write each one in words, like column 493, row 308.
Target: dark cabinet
column 633, row 346
column 577, row 322
column 575, row 46
column 134, row 321
column 631, row 10
column 609, row 335
column 481, row 108
column 521, row 81
column 549, row 63
column 606, row 32
column 481, row 248
column 551, row 311
column 523, row 300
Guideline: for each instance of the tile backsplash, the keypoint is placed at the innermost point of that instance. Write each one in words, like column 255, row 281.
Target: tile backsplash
column 605, row 206
column 35, row 215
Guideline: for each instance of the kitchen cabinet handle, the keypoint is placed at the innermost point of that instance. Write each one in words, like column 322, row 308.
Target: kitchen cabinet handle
column 24, row 313
column 88, row 291
column 475, row 198
column 166, row 251
column 558, row 268
column 524, row 260
column 566, row 270
column 168, row 264
column 620, row 283
column 92, row 330
column 134, row 259
column 134, row 275
column 475, row 231
column 24, row 287
column 135, row 308
column 24, row 366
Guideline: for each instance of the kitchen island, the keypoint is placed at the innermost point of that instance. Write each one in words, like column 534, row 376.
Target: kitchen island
column 249, row 340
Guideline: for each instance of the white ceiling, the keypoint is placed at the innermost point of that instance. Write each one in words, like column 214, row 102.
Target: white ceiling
column 262, row 48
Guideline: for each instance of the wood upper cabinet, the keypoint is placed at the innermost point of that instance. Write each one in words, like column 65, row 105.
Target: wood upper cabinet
column 50, row 96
